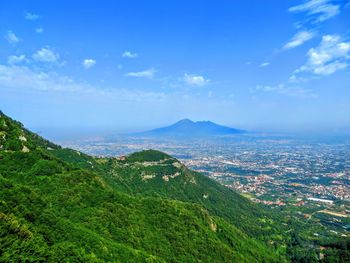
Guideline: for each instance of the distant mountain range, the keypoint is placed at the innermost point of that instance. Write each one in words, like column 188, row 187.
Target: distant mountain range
column 188, row 128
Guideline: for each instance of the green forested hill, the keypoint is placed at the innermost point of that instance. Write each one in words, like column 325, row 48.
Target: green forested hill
column 164, row 176
column 60, row 205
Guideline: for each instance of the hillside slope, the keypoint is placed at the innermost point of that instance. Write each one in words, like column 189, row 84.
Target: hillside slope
column 60, row 205
column 152, row 173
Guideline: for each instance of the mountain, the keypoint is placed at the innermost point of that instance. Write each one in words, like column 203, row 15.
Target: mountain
column 188, row 128
column 60, row 205
column 163, row 175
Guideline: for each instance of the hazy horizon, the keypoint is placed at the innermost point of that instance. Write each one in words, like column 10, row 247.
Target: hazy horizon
column 72, row 133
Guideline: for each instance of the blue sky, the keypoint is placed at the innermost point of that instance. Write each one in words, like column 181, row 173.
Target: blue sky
column 130, row 65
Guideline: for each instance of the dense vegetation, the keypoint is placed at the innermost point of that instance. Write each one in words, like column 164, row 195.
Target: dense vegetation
column 55, row 210
column 61, row 205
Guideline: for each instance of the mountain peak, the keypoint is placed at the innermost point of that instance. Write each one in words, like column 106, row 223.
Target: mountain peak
column 189, row 128
column 185, row 121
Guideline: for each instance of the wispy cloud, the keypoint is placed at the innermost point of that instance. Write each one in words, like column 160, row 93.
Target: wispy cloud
column 297, row 79
column 88, row 63
column 39, row 30
column 128, row 54
column 16, row 59
column 264, row 64
column 31, row 16
column 318, row 10
column 148, row 73
column 282, row 89
column 46, row 55
column 12, row 38
column 22, row 77
column 331, row 55
column 195, row 80
column 298, row 39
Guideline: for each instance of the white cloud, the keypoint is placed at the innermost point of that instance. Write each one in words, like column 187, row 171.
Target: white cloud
column 331, row 55
column 11, row 37
column 330, row 68
column 46, row 55
column 319, row 10
column 292, row 91
column 266, row 88
column 297, row 79
column 148, row 73
column 265, row 64
column 88, row 63
column 195, row 80
column 128, row 54
column 31, row 16
column 299, row 39
column 16, row 59
column 24, row 77
column 21, row 77
column 39, row 30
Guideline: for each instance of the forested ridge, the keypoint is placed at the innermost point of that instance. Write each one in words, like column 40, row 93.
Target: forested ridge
column 60, row 205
